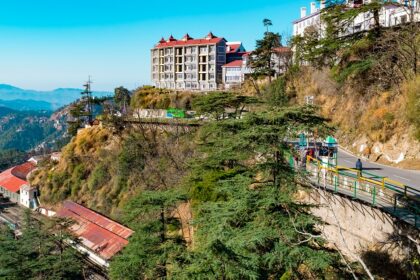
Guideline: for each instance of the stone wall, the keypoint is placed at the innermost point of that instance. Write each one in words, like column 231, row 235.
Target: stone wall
column 356, row 228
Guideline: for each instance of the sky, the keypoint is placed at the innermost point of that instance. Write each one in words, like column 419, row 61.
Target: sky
column 48, row 44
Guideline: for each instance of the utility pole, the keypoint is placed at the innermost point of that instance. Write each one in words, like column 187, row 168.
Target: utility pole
column 87, row 100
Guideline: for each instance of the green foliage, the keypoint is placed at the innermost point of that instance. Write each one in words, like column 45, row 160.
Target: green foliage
column 219, row 105
column 276, row 94
column 122, row 97
column 39, row 253
column 26, row 130
column 9, row 158
column 156, row 244
column 99, row 177
column 261, row 59
column 380, row 56
column 247, row 225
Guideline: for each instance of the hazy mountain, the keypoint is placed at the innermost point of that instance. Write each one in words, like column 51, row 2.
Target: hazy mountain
column 24, row 99
column 27, row 105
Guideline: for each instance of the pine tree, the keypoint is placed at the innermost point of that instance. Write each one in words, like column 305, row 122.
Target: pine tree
column 41, row 252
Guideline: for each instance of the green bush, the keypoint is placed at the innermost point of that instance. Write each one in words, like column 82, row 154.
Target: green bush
column 98, row 177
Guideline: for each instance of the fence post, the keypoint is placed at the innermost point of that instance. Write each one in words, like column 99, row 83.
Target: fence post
column 336, row 182
column 395, row 203
column 374, row 196
column 355, row 189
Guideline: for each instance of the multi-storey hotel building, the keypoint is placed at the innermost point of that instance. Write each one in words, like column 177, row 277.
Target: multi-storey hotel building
column 189, row 64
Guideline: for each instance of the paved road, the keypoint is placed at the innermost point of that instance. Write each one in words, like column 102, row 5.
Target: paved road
column 406, row 177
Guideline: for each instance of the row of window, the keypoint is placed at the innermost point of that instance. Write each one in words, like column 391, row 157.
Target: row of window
column 188, row 50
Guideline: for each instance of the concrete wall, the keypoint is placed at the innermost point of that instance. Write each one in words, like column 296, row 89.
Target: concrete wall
column 355, row 228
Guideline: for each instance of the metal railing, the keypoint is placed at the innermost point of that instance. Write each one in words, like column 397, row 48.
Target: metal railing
column 401, row 201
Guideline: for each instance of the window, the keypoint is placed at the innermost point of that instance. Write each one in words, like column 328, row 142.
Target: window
column 203, row 59
column 203, row 50
column 212, row 49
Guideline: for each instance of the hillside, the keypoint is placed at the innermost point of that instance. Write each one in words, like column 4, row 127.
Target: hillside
column 375, row 124
column 104, row 170
column 28, row 130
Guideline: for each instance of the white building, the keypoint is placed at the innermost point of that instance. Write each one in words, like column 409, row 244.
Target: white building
column 15, row 186
column 390, row 15
column 235, row 72
column 189, row 64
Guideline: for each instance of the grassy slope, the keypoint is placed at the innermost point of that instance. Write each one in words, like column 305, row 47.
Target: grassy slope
column 104, row 170
column 366, row 121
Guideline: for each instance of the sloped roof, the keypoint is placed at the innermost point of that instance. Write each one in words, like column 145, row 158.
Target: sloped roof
column 283, row 50
column 233, row 64
column 233, row 48
column 97, row 232
column 188, row 41
column 10, row 181
column 22, row 171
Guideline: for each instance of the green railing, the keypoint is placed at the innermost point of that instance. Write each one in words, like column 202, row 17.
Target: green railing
column 401, row 201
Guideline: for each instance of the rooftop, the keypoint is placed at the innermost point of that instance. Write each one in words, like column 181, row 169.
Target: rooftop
column 10, row 181
column 22, row 171
column 188, row 41
column 233, row 64
column 97, row 232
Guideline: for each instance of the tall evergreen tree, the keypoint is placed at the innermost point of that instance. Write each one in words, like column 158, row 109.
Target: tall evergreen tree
column 41, row 252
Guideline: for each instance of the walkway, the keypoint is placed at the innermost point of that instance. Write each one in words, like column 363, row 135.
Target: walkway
column 398, row 199
column 407, row 177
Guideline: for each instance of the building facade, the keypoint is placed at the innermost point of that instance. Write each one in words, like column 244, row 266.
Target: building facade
column 235, row 72
column 390, row 15
column 14, row 185
column 189, row 64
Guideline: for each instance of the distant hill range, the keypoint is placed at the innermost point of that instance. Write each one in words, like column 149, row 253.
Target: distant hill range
column 28, row 100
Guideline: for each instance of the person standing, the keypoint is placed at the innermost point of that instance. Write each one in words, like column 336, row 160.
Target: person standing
column 359, row 166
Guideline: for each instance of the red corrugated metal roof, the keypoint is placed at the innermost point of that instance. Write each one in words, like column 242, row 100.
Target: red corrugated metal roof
column 235, row 63
column 98, row 233
column 10, row 181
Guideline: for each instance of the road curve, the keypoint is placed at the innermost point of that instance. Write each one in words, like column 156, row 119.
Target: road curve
column 410, row 178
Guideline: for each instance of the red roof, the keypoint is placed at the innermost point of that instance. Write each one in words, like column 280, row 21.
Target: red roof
column 235, row 63
column 187, row 41
column 283, row 50
column 234, row 48
column 98, row 233
column 10, row 181
column 22, row 171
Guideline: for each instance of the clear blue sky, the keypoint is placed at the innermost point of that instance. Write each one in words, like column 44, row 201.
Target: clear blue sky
column 47, row 44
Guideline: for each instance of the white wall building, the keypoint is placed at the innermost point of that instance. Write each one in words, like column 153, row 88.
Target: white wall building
column 189, row 64
column 390, row 15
